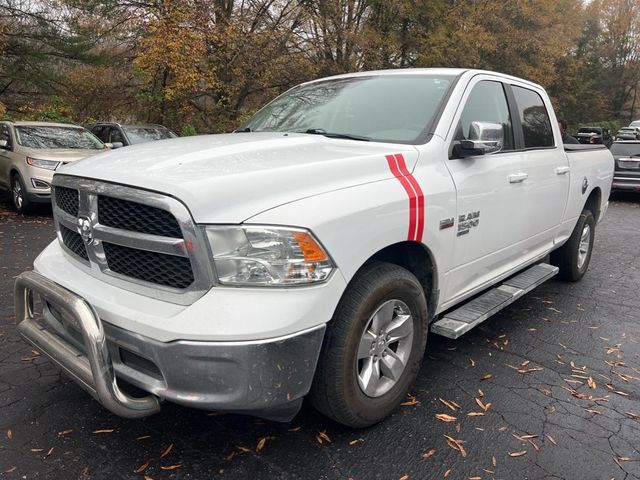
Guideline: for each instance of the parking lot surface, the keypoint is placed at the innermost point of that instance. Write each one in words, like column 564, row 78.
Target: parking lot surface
column 547, row 388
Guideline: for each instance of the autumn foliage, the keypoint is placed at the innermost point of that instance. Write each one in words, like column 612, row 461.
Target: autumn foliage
column 205, row 65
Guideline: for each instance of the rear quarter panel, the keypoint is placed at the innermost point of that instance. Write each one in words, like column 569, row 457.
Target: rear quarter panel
column 593, row 167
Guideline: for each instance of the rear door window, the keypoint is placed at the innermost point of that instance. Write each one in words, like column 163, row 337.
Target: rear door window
column 536, row 125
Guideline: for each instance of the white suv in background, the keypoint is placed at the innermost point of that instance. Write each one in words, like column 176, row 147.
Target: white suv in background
column 31, row 151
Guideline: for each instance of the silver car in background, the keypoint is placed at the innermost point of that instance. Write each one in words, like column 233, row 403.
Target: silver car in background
column 30, row 152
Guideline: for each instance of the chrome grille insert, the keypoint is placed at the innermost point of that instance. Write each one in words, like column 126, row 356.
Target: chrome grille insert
column 141, row 241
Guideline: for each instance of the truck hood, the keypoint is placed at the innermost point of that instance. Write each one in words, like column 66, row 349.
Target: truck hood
column 229, row 178
column 59, row 154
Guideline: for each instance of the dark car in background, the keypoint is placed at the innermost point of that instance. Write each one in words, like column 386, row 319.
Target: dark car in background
column 594, row 135
column 119, row 135
column 627, row 170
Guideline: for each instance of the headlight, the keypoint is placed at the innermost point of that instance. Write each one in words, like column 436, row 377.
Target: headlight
column 48, row 164
column 264, row 256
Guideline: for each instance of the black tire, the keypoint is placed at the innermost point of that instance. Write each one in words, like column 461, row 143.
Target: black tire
column 336, row 391
column 22, row 205
column 566, row 258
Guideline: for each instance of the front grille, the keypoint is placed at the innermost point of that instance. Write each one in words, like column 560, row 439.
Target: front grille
column 127, row 215
column 167, row 270
column 73, row 241
column 67, row 200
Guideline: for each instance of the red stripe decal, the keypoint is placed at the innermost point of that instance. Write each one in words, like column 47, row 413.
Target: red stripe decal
column 414, row 192
column 419, row 194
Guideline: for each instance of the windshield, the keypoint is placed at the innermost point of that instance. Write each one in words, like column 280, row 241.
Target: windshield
column 147, row 134
column 57, row 138
column 391, row 108
column 625, row 149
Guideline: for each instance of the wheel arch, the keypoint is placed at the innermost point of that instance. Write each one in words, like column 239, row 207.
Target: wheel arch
column 419, row 260
column 594, row 203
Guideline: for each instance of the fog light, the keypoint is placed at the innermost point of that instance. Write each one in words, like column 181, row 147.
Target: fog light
column 39, row 183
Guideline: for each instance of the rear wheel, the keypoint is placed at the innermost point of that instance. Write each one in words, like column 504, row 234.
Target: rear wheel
column 574, row 256
column 19, row 195
column 373, row 348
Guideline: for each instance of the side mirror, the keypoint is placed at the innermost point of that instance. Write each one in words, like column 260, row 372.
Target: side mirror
column 4, row 144
column 484, row 138
column 114, row 145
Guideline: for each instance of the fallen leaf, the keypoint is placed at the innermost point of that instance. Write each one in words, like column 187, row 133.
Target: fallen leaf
column 446, row 474
column 171, row 467
column 452, row 405
column 36, row 450
column 65, row 432
column 85, row 471
column 324, row 436
column 429, row 453
column 295, row 429
column 518, row 454
column 50, row 452
column 487, row 377
column 9, row 434
column 483, row 406
column 494, row 462
column 476, row 414
column 261, row 443
column 551, row 439
column 411, row 402
column 354, row 442
column 635, row 416
column 105, row 430
column 243, row 449
column 591, row 382
column 10, row 470
column 166, row 451
column 621, row 393
column 142, row 467
column 480, row 393
column 472, row 362
column 143, row 437
column 404, row 477
column 456, row 445
column 475, row 478
column 445, row 418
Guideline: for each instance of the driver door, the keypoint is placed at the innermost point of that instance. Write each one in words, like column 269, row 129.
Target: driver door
column 489, row 191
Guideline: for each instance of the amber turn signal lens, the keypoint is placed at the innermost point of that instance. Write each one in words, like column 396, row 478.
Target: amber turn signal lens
column 310, row 249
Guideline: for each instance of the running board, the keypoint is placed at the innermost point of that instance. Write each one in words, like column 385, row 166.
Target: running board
column 461, row 320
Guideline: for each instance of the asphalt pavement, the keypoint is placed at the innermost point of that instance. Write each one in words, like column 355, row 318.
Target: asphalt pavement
column 548, row 388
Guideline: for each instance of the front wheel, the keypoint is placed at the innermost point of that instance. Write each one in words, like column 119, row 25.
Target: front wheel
column 373, row 348
column 19, row 195
column 574, row 256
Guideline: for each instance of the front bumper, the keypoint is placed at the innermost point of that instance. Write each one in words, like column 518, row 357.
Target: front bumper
column 267, row 378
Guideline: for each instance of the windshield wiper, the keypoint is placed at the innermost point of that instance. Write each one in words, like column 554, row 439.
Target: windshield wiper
column 348, row 136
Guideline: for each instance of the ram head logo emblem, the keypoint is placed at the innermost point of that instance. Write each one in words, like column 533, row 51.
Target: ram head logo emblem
column 85, row 229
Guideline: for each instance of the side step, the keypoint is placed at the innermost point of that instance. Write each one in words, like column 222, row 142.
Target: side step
column 461, row 320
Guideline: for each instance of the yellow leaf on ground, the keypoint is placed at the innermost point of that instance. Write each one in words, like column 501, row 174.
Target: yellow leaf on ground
column 518, row 454
column 445, row 418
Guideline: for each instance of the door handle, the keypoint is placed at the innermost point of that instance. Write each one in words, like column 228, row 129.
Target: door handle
column 562, row 170
column 518, row 177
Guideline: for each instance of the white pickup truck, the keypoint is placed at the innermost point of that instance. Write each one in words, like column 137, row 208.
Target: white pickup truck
column 310, row 251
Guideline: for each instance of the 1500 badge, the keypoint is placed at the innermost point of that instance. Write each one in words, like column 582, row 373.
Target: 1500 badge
column 467, row 222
